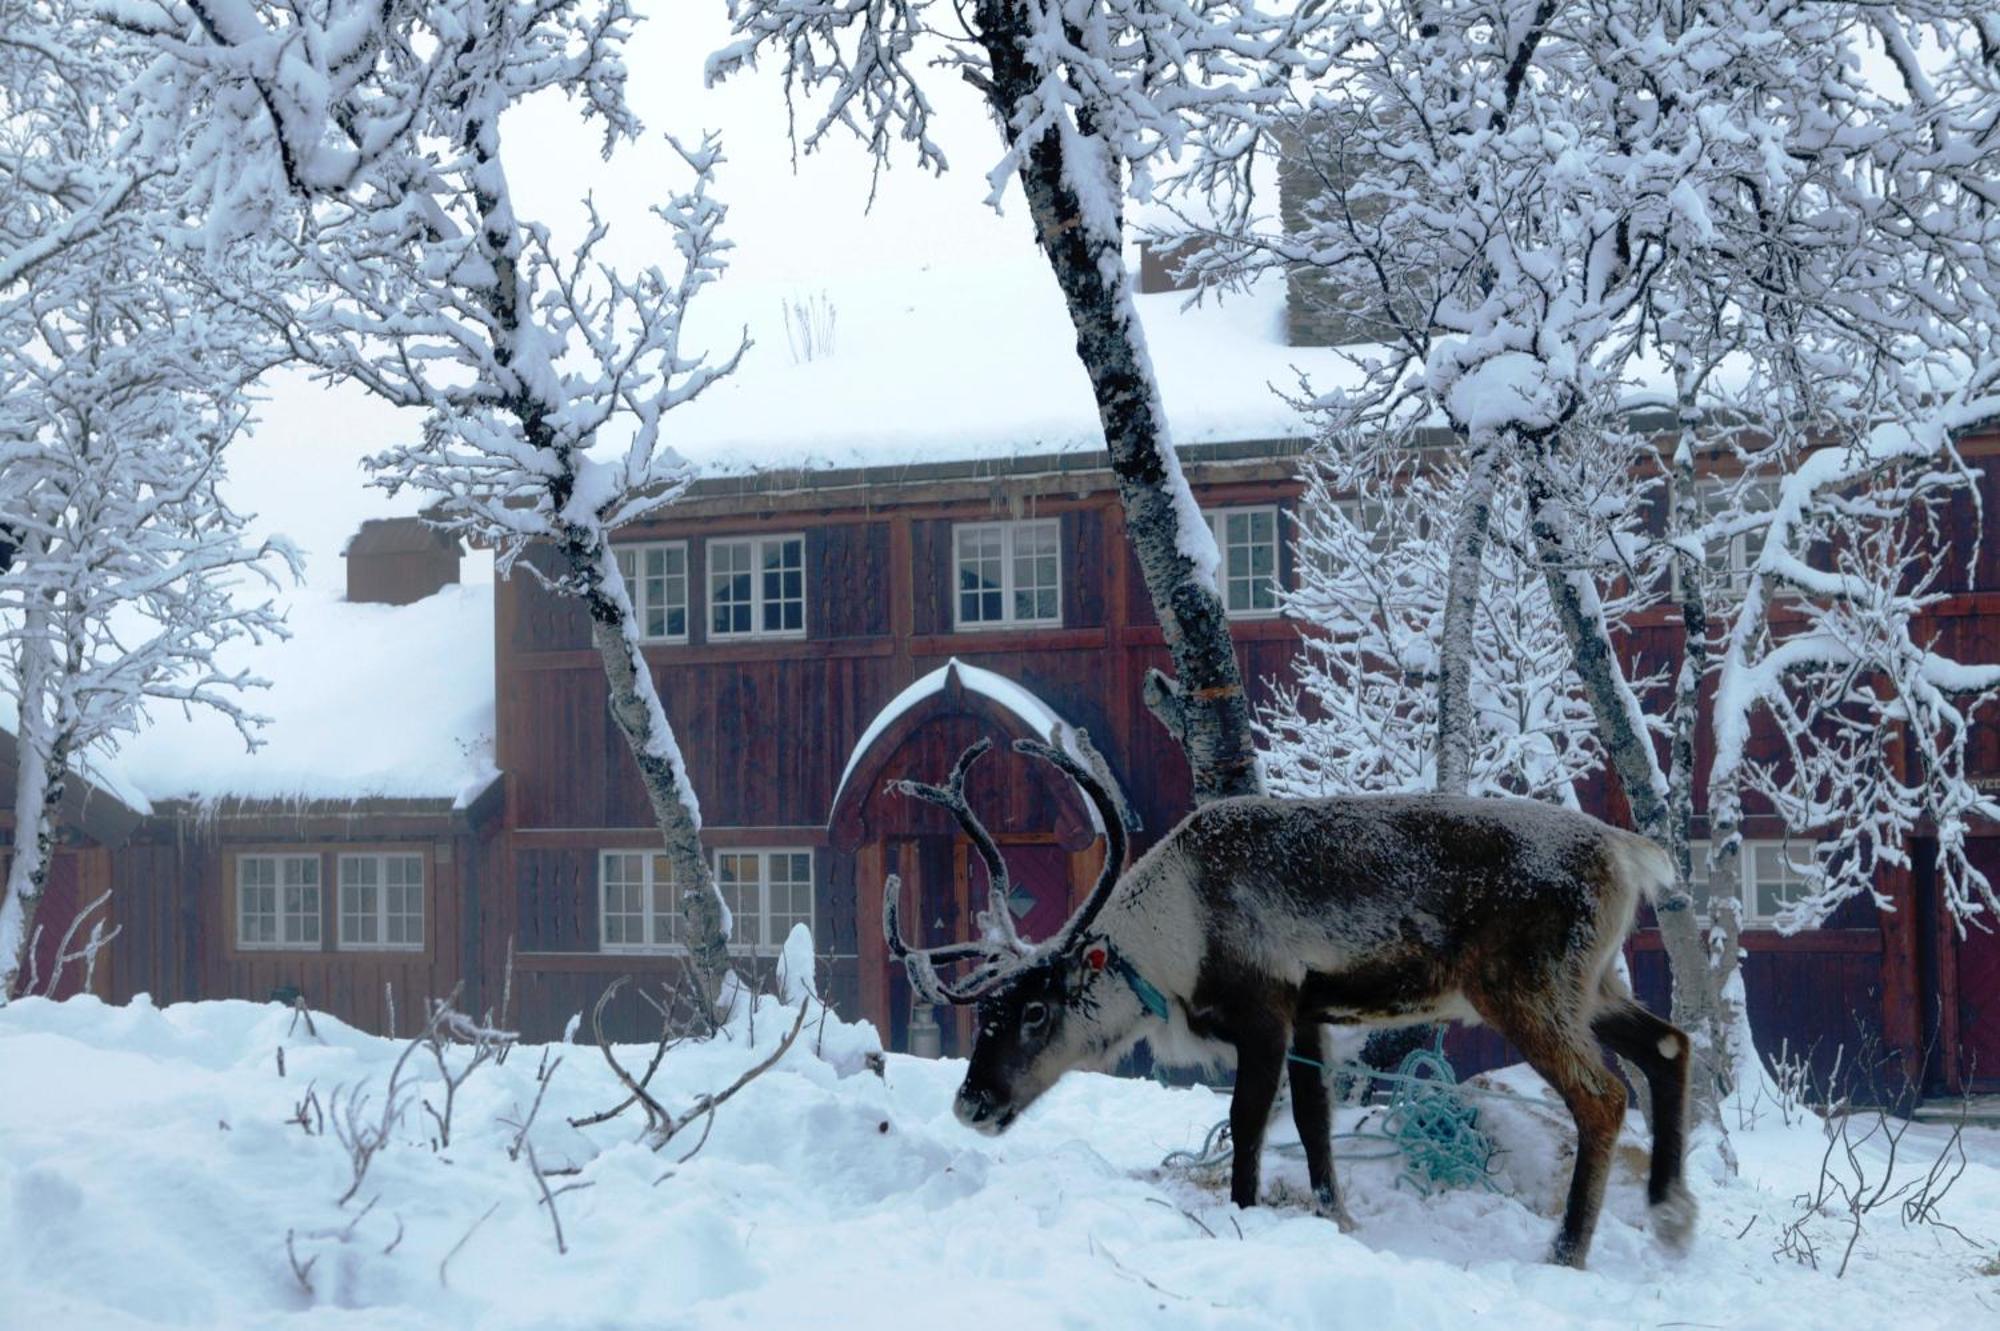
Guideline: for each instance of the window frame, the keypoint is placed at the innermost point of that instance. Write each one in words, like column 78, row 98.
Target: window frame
column 757, row 542
column 1009, row 530
column 651, row 883
column 341, row 942
column 635, row 586
column 279, row 943
column 1746, row 873
column 1218, row 526
column 1729, row 563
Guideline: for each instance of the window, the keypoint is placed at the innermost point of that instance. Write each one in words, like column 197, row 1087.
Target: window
column 1729, row 561
column 1769, row 881
column 767, row 892
column 757, row 587
column 1009, row 573
column 1248, row 539
column 1773, row 883
column 656, row 578
column 641, row 910
column 277, row 901
column 382, row 901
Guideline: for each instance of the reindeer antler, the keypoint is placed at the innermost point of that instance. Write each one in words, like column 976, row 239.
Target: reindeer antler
column 1093, row 774
column 996, row 961
column 1002, row 951
column 997, row 919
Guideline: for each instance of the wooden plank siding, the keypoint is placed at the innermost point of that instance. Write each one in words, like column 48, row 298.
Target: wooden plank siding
column 768, row 726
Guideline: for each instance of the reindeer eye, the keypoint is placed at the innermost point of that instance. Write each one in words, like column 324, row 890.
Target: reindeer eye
column 1034, row 1015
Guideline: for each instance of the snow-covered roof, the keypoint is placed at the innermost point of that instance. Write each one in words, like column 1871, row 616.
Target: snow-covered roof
column 892, row 320
column 1037, row 716
column 364, row 701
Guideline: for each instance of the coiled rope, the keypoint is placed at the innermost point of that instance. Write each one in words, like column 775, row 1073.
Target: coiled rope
column 1430, row 1123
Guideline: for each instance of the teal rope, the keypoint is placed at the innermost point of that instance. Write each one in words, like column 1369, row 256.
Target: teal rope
column 1436, row 1127
column 1430, row 1123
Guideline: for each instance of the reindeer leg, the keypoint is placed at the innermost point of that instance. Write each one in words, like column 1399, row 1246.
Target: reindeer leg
column 1569, row 1061
column 1313, row 1114
column 1260, row 1063
column 1660, row 1051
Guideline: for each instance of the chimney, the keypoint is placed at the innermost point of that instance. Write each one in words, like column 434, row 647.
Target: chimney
column 394, row 561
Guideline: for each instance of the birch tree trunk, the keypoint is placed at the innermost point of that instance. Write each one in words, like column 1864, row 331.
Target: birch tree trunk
column 1456, row 737
column 41, row 767
column 586, row 547
column 1629, row 747
column 1075, row 202
column 635, row 707
column 1724, row 1017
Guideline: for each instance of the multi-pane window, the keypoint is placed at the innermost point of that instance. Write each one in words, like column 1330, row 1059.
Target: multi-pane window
column 1248, row 540
column 277, row 901
column 656, row 578
column 757, row 587
column 1009, row 573
column 1772, row 880
column 640, row 905
column 382, row 901
column 1766, row 869
column 767, row 892
column 1731, row 558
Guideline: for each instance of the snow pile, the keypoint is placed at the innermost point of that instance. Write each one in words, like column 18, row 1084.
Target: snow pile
column 149, row 1176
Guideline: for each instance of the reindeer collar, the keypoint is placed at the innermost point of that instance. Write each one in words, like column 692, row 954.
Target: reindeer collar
column 1099, row 956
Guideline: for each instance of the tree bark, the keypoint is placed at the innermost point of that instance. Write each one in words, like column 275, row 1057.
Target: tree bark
column 593, row 575
column 1630, row 749
column 635, row 707
column 1085, row 252
column 41, row 770
column 1457, row 724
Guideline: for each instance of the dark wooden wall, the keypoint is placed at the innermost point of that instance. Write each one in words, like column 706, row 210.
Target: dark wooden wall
column 177, row 941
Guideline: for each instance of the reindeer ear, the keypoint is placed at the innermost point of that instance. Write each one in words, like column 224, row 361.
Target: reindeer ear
column 1096, row 957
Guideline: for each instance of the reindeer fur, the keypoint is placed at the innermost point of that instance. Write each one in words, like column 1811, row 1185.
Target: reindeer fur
column 1260, row 919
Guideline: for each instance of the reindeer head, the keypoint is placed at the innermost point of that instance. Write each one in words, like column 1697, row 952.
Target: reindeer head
column 1042, row 1008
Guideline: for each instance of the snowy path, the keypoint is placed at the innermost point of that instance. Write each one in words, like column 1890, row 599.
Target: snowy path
column 148, row 1176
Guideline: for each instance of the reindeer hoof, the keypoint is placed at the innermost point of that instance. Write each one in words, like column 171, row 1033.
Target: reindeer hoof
column 1564, row 1252
column 1328, row 1207
column 1673, row 1219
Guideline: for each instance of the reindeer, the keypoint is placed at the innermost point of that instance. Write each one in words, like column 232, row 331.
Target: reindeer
column 1257, row 920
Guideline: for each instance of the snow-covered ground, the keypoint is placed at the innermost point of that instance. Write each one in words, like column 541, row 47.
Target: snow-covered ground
column 149, row 1175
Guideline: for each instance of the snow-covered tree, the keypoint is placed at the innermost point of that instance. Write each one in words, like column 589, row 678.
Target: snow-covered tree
column 130, row 575
column 1776, row 222
column 1092, row 98
column 1375, row 563
column 546, row 375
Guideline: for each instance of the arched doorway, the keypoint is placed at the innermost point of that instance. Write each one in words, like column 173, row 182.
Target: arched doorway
column 1046, row 830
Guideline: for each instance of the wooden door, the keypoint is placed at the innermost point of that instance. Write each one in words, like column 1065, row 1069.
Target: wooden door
column 1978, row 976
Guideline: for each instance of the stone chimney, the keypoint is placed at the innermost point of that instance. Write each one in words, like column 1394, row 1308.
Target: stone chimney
column 394, row 561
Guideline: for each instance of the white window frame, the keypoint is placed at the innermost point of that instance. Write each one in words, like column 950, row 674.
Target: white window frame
column 764, row 945
column 758, row 601
column 1010, row 535
column 382, row 913
column 1747, row 880
column 279, row 942
column 657, row 940
column 636, row 580
column 652, row 882
column 1218, row 526
column 1729, row 563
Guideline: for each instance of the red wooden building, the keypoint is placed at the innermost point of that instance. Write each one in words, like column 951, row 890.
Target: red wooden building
column 814, row 631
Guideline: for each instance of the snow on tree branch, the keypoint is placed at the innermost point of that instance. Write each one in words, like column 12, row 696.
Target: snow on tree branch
column 545, row 375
